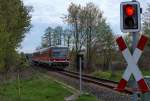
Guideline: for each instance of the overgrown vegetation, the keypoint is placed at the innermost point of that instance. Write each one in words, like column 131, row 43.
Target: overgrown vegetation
column 14, row 23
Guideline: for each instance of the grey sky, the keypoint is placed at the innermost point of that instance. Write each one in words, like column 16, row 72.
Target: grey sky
column 49, row 12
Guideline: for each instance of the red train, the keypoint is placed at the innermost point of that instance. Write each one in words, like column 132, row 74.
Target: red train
column 52, row 56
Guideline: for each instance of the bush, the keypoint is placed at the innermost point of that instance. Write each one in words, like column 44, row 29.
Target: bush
column 101, row 74
column 108, row 75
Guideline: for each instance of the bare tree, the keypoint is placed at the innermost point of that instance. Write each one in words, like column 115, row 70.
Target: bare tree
column 89, row 26
column 146, row 23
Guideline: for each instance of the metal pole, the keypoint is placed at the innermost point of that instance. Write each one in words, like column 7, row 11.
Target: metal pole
column 134, row 40
column 80, row 62
column 134, row 97
column 133, row 83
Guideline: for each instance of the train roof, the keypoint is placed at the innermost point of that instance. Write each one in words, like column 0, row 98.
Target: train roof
column 45, row 49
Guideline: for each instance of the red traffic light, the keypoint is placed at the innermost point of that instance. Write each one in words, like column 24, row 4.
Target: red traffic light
column 129, row 10
column 130, row 16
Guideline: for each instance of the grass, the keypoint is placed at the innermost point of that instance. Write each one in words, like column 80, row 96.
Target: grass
column 38, row 88
column 102, row 74
column 108, row 75
column 117, row 74
column 146, row 72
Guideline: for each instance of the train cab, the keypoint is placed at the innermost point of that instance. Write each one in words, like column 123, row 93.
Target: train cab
column 52, row 56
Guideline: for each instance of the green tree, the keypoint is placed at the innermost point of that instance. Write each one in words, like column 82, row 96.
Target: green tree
column 14, row 23
column 106, row 40
column 90, row 28
column 91, row 18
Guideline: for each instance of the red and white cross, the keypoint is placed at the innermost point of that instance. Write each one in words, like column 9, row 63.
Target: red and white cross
column 132, row 64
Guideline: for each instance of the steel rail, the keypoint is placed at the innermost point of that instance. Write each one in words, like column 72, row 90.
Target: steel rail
column 98, row 81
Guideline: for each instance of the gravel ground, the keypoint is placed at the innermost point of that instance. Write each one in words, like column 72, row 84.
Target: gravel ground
column 100, row 92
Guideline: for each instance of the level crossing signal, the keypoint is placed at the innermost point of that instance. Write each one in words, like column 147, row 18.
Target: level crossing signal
column 130, row 14
column 132, row 67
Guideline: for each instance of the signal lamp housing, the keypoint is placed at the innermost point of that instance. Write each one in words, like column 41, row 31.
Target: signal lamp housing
column 130, row 17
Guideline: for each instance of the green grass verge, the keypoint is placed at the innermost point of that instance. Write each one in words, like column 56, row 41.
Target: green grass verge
column 146, row 72
column 108, row 75
column 39, row 88
column 116, row 76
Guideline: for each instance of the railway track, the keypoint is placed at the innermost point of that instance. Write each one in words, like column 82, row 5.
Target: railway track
column 91, row 79
column 98, row 81
column 101, row 88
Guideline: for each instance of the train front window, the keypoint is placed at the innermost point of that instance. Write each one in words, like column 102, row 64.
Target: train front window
column 59, row 53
